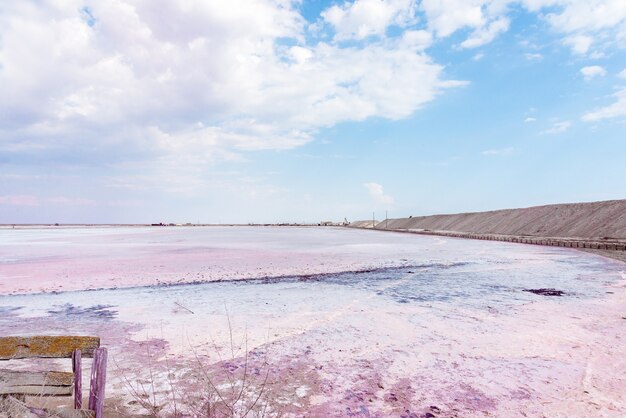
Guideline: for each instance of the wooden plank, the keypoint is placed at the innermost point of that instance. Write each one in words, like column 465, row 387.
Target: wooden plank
column 37, row 390
column 46, row 346
column 36, row 378
column 36, row 383
column 78, row 379
column 98, row 381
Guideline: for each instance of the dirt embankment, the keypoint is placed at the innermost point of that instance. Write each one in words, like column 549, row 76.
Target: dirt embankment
column 594, row 220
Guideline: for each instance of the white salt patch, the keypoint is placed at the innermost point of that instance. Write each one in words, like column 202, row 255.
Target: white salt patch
column 302, row 391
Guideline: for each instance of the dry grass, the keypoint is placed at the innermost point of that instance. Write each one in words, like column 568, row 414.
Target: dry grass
column 236, row 386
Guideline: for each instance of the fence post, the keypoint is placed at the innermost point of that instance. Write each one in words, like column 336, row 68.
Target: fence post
column 98, row 381
column 78, row 379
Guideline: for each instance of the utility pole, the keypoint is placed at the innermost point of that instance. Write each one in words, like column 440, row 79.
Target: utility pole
column 386, row 220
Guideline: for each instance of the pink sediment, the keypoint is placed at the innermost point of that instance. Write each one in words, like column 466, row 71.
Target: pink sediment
column 143, row 257
column 350, row 353
column 541, row 359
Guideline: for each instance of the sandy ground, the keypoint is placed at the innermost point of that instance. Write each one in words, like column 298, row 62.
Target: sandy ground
column 435, row 327
column 580, row 220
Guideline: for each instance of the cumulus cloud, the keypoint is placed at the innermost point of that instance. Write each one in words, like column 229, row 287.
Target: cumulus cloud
column 588, row 15
column 487, row 33
column 447, row 16
column 190, row 81
column 377, row 193
column 592, row 71
column 195, row 80
column 622, row 74
column 614, row 110
column 579, row 44
column 363, row 18
column 557, row 128
column 585, row 21
column 580, row 22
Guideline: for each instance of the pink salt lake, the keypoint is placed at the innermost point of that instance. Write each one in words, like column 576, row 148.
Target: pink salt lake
column 352, row 322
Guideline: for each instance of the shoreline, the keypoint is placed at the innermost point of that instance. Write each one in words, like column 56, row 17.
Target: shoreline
column 286, row 278
column 614, row 249
column 613, row 255
column 154, row 257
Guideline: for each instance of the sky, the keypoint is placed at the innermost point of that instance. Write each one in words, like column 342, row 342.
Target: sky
column 140, row 111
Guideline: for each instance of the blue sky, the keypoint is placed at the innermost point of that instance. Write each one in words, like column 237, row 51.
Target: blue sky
column 286, row 111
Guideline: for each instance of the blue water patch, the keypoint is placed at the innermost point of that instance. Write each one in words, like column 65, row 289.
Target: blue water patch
column 482, row 284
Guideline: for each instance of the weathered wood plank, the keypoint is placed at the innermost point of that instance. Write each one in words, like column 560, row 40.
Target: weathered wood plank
column 36, row 383
column 21, row 378
column 78, row 379
column 98, row 381
column 46, row 346
column 37, row 390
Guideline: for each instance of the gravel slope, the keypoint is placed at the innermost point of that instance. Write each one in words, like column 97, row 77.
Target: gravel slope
column 583, row 220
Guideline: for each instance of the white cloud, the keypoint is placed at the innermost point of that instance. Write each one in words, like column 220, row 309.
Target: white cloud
column 582, row 23
column 588, row 21
column 377, row 193
column 592, row 71
column 614, row 110
column 418, row 40
column 579, row 44
column 597, row 55
column 363, row 18
column 478, row 57
column 530, row 119
column 453, row 83
column 498, row 152
column 447, row 16
column 486, row 34
column 533, row 56
column 622, row 74
column 190, row 81
column 187, row 81
column 587, row 15
column 557, row 128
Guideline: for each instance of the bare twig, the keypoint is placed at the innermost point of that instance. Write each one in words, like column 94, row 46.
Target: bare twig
column 184, row 307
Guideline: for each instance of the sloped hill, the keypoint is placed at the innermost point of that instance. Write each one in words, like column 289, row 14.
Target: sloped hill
column 581, row 220
column 363, row 224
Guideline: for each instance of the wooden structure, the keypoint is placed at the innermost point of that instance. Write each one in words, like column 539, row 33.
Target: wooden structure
column 611, row 244
column 16, row 385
